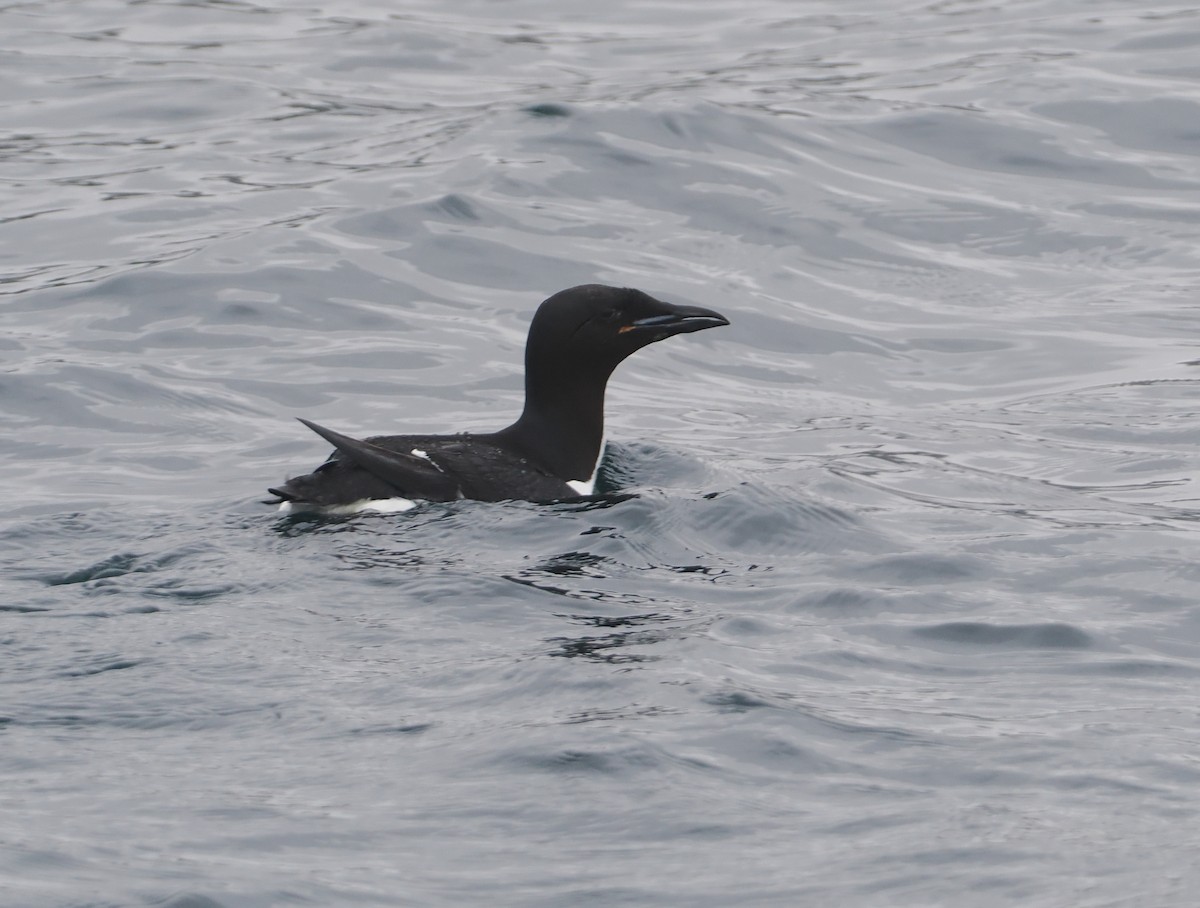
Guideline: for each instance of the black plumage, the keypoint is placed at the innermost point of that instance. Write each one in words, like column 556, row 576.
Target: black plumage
column 576, row 339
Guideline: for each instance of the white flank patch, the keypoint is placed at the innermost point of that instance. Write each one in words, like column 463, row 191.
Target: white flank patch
column 383, row 505
column 367, row 505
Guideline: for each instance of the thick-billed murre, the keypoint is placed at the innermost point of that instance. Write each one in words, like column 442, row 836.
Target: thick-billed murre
column 576, row 339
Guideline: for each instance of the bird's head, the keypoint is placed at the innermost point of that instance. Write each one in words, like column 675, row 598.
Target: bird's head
column 598, row 326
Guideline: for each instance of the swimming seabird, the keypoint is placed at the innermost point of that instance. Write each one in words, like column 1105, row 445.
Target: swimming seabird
column 552, row 452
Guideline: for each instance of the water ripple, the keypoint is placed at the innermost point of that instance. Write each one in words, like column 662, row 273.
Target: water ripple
column 892, row 597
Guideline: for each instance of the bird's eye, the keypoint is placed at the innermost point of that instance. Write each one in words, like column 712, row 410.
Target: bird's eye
column 610, row 315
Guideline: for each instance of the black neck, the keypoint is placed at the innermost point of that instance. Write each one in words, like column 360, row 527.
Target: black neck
column 562, row 425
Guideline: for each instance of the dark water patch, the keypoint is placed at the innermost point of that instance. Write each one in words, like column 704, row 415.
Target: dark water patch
column 621, row 594
column 303, row 525
column 615, row 760
column 737, row 701
column 548, row 110
column 188, row 592
column 913, row 569
column 598, row 502
column 416, row 728
column 620, row 620
column 1051, row 635
column 626, row 632
column 697, row 569
column 101, row 665
column 617, row 715
column 147, row 575
column 188, row 900
column 110, row 707
column 59, row 720
column 411, row 222
column 573, row 564
column 771, row 748
column 113, row 566
column 612, row 649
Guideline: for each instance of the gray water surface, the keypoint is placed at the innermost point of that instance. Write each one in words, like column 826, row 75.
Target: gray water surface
column 905, row 609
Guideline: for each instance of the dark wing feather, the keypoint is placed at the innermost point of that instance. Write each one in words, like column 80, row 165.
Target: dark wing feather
column 406, row 474
column 454, row 466
column 488, row 472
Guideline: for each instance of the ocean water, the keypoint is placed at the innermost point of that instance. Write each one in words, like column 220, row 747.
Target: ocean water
column 904, row 607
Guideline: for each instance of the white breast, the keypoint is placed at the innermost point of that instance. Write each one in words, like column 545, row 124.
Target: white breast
column 583, row 486
column 588, row 486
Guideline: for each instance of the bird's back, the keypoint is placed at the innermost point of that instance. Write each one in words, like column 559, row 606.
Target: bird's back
column 424, row 467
